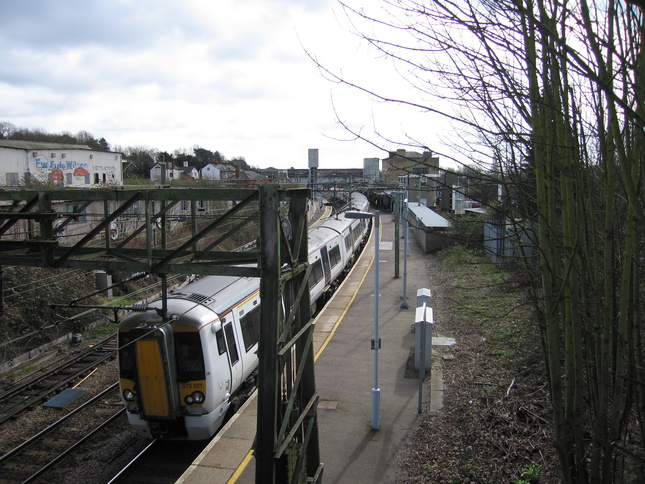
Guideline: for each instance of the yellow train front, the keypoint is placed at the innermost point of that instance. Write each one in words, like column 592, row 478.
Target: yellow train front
column 179, row 378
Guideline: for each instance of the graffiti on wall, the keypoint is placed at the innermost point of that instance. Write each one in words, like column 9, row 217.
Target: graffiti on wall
column 57, row 171
column 110, row 170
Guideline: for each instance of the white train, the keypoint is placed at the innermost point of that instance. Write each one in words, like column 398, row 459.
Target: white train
column 179, row 379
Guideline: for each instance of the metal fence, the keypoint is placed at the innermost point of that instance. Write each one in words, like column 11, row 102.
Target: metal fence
column 508, row 243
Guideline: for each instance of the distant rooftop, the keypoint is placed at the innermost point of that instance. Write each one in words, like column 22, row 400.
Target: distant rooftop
column 40, row 145
column 427, row 216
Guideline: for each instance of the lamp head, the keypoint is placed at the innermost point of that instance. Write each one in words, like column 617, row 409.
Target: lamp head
column 358, row 214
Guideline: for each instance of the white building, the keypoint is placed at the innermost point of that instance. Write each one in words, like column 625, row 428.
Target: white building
column 211, row 172
column 172, row 173
column 69, row 165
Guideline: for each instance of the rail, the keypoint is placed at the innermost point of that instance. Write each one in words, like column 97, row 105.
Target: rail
column 40, row 386
column 19, row 466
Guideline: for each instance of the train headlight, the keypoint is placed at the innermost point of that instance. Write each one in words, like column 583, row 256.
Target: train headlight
column 129, row 396
column 195, row 398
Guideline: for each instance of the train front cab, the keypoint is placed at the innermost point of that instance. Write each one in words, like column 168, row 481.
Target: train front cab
column 164, row 382
column 146, row 375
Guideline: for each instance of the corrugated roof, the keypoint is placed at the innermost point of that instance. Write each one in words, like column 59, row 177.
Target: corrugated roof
column 40, row 145
column 427, row 216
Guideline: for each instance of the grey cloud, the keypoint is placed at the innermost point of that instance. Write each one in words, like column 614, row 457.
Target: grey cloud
column 47, row 25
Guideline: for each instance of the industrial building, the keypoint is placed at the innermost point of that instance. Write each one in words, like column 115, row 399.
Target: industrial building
column 23, row 163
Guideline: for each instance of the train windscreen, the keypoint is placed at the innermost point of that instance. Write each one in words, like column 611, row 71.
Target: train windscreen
column 189, row 357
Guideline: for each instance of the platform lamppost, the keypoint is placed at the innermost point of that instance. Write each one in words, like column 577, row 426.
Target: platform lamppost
column 376, row 342
column 404, row 304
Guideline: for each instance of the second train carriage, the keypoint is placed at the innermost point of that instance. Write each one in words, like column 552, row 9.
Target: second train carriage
column 179, row 378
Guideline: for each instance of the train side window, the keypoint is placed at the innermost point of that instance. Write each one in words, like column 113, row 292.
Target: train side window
column 316, row 272
column 230, row 342
column 356, row 233
column 221, row 342
column 348, row 242
column 250, row 324
column 334, row 255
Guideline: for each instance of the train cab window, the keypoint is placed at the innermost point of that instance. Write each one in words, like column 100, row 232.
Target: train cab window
column 334, row 255
column 250, row 324
column 230, row 342
column 126, row 357
column 190, row 360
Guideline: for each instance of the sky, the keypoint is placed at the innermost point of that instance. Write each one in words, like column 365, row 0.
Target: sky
column 233, row 76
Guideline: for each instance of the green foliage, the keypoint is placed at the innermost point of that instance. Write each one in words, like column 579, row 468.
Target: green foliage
column 135, row 179
column 468, row 230
column 459, row 254
column 30, row 292
column 504, row 354
column 478, row 298
column 497, row 273
column 140, row 160
column 529, row 475
column 104, row 331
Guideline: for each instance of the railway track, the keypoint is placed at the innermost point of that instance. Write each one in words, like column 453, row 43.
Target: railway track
column 161, row 462
column 43, row 456
column 42, row 385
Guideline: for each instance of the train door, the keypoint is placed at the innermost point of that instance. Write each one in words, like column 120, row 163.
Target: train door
column 235, row 363
column 324, row 256
column 154, row 352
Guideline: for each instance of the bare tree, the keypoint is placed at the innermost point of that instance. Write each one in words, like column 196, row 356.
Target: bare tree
column 6, row 130
column 141, row 158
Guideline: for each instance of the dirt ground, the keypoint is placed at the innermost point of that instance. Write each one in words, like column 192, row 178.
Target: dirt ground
column 495, row 425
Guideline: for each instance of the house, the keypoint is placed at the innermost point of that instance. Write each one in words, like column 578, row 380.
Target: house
column 70, row 165
column 157, row 175
column 211, row 172
column 423, row 189
column 250, row 179
column 228, row 171
column 188, row 172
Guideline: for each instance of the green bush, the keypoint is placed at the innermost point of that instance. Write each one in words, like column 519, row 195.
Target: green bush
column 468, row 231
